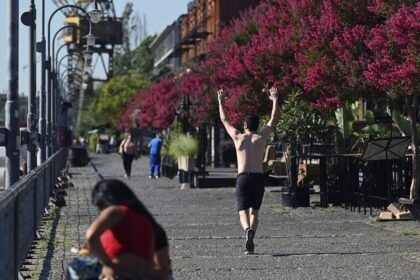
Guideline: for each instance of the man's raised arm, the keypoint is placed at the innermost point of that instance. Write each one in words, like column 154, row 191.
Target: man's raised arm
column 274, row 113
column 232, row 131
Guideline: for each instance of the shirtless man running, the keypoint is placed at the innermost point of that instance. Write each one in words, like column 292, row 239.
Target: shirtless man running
column 250, row 147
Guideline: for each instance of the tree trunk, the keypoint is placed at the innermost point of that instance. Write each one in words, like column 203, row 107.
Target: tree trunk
column 414, row 142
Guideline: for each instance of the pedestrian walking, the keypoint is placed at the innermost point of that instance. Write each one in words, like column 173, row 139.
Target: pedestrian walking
column 155, row 145
column 128, row 150
column 249, row 147
column 125, row 237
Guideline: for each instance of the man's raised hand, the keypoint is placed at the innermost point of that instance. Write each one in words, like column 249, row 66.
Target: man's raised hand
column 273, row 93
column 221, row 95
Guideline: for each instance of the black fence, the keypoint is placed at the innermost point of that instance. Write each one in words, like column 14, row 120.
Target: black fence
column 21, row 209
column 347, row 179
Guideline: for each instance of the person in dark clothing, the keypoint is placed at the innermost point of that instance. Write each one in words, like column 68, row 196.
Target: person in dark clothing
column 128, row 150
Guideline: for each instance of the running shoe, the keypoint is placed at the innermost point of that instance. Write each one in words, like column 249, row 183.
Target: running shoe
column 249, row 245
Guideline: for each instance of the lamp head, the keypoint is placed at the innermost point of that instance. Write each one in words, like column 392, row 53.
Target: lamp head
column 90, row 39
column 95, row 15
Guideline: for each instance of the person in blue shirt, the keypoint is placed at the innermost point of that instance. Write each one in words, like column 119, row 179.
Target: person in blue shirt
column 155, row 146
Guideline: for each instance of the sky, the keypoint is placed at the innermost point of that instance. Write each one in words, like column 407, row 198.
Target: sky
column 159, row 14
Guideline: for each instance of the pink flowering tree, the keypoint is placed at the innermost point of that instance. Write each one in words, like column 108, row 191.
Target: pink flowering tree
column 394, row 66
column 226, row 69
column 196, row 87
column 129, row 118
column 157, row 109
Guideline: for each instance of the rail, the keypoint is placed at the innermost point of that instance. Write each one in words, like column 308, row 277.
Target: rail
column 21, row 209
column 347, row 179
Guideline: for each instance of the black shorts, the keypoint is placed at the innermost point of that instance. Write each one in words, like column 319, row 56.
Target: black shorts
column 249, row 190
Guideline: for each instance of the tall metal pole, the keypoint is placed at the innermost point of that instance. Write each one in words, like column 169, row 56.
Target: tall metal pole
column 31, row 121
column 12, row 105
column 42, row 102
column 49, row 104
column 54, row 112
column 50, row 96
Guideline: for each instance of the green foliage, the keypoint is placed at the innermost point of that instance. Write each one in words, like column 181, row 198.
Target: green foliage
column 139, row 60
column 90, row 118
column 142, row 58
column 351, row 112
column 176, row 130
column 347, row 114
column 182, row 145
column 371, row 131
column 242, row 38
column 92, row 139
column 299, row 123
column 403, row 124
column 345, row 117
column 112, row 99
column 132, row 72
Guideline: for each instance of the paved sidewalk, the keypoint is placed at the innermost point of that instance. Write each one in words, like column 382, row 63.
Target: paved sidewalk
column 207, row 242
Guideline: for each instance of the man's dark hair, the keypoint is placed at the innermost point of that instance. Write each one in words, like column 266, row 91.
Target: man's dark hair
column 252, row 121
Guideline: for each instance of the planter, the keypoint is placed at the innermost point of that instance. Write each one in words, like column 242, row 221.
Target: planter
column 295, row 199
column 169, row 167
column 186, row 164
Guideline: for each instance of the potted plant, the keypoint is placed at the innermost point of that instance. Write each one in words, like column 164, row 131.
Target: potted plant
column 168, row 165
column 184, row 149
column 299, row 124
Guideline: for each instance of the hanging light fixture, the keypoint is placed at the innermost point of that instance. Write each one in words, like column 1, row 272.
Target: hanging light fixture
column 90, row 39
column 95, row 14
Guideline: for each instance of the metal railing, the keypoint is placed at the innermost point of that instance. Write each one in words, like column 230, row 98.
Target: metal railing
column 21, row 209
column 349, row 180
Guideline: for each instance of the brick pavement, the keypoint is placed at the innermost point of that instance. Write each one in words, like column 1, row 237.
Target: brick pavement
column 207, row 242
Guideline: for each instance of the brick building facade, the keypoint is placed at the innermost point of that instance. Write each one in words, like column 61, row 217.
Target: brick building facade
column 203, row 22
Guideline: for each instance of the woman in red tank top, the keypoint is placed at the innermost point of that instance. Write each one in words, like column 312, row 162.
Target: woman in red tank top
column 122, row 237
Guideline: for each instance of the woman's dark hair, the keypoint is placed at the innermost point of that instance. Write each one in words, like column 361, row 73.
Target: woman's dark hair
column 252, row 121
column 110, row 192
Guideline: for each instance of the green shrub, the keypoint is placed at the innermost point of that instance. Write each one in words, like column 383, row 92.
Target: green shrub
column 183, row 145
column 92, row 139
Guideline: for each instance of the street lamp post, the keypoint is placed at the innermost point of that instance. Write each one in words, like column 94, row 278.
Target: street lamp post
column 40, row 47
column 90, row 40
column 29, row 19
column 50, row 97
column 12, row 106
column 58, row 62
column 55, row 55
